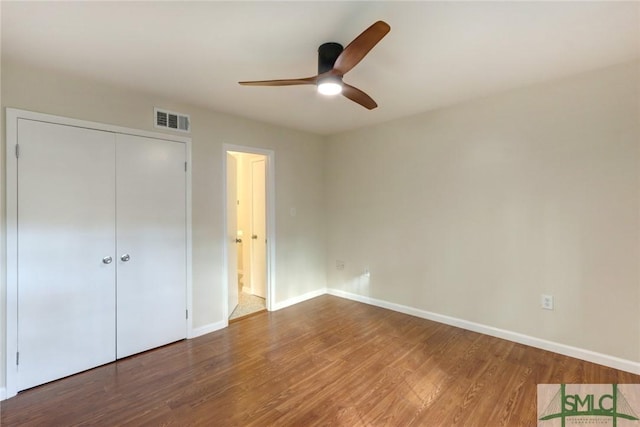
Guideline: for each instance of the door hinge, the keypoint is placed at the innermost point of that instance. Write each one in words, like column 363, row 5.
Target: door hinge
column 17, row 358
column 186, row 312
column 17, row 151
column 185, row 166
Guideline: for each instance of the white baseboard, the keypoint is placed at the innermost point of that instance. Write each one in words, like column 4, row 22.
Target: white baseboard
column 246, row 290
column 3, row 393
column 212, row 327
column 567, row 350
column 298, row 299
column 206, row 329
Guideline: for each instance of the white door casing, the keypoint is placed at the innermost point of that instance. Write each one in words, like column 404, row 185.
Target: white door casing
column 66, row 293
column 151, row 243
column 270, row 235
column 57, row 167
column 258, row 229
column 232, row 233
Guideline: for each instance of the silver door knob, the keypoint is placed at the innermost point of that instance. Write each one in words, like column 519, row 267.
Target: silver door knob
column 254, row 237
column 125, row 257
column 238, row 240
column 107, row 260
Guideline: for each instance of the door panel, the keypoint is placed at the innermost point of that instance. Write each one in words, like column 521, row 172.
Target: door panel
column 232, row 232
column 259, row 229
column 151, row 230
column 66, row 294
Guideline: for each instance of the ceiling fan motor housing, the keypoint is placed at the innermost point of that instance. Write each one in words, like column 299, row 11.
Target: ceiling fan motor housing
column 327, row 55
column 329, row 79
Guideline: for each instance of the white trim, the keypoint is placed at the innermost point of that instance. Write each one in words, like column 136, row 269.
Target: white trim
column 49, row 118
column 189, row 254
column 300, row 298
column 226, row 310
column 271, row 222
column 11, row 319
column 3, row 393
column 246, row 290
column 207, row 329
column 567, row 350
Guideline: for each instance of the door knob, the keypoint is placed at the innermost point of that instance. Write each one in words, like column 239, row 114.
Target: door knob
column 125, row 257
column 254, row 237
column 107, row 260
column 238, row 240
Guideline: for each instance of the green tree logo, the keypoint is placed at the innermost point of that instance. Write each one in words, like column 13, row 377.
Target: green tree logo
column 564, row 405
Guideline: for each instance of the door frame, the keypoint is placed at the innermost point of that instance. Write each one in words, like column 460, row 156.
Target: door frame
column 270, row 223
column 11, row 316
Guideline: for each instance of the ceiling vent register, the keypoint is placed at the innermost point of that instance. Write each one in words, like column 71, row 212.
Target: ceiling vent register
column 171, row 120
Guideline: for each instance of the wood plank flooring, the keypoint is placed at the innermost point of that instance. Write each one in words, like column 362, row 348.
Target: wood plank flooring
column 327, row 361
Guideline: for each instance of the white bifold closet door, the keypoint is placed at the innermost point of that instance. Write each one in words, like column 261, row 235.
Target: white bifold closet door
column 151, row 243
column 66, row 235
column 101, row 248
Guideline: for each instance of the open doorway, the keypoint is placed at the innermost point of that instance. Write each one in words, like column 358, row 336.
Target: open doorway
column 247, row 229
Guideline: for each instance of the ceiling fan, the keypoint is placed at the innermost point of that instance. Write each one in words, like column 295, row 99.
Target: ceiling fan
column 334, row 62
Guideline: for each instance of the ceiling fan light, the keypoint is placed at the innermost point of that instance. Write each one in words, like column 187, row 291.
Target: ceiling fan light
column 329, row 87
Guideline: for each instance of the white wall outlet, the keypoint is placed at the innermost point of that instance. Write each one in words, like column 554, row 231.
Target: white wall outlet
column 546, row 302
column 339, row 265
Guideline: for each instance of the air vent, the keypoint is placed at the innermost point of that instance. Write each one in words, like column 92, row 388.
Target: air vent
column 171, row 120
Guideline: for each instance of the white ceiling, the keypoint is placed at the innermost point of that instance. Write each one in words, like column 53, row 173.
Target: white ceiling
column 437, row 53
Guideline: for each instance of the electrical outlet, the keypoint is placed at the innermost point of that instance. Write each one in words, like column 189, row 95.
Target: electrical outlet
column 546, row 302
column 339, row 265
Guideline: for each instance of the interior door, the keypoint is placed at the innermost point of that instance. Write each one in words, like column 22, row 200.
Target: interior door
column 258, row 227
column 66, row 251
column 151, row 243
column 232, row 231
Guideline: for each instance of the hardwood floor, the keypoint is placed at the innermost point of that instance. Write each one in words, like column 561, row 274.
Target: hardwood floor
column 327, row 361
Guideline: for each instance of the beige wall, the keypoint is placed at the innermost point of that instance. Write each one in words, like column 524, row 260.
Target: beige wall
column 299, row 175
column 476, row 210
column 471, row 211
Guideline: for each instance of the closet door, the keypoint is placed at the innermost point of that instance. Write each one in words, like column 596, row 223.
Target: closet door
column 66, row 251
column 151, row 243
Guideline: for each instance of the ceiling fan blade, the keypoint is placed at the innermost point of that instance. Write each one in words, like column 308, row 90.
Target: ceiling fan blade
column 360, row 46
column 356, row 95
column 283, row 82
